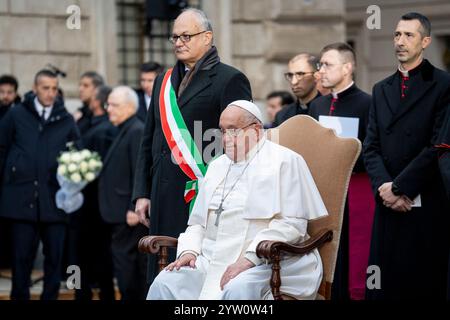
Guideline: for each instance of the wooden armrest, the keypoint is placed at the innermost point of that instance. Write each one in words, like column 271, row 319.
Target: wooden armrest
column 267, row 248
column 153, row 244
column 272, row 250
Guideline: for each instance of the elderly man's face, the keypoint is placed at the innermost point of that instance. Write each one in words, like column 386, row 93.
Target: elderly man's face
column 237, row 133
column 119, row 110
column 193, row 50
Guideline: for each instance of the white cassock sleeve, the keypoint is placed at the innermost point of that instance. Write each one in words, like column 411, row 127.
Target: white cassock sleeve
column 281, row 228
column 191, row 240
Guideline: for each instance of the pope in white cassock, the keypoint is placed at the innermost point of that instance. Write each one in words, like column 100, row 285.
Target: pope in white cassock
column 258, row 190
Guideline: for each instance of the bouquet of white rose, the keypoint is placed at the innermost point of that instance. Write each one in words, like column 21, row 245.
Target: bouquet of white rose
column 75, row 170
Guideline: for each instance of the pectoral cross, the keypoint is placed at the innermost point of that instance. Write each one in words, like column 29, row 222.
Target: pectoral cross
column 218, row 213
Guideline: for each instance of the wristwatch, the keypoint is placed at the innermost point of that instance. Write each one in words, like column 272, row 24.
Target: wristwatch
column 395, row 190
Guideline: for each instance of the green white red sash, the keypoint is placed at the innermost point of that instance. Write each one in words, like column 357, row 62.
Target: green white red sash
column 183, row 148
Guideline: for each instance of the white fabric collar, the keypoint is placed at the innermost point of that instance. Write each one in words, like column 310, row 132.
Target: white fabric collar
column 404, row 72
column 335, row 94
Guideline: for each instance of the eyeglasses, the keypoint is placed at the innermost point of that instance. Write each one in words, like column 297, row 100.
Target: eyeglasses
column 184, row 37
column 326, row 65
column 298, row 75
column 234, row 132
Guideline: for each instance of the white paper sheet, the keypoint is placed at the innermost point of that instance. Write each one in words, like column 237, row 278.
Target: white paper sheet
column 345, row 127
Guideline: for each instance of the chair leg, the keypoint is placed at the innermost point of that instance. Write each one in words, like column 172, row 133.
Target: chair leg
column 275, row 281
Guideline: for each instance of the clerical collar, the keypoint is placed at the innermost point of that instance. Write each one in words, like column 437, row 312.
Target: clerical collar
column 304, row 106
column 403, row 72
column 253, row 151
column 409, row 73
column 39, row 108
column 336, row 93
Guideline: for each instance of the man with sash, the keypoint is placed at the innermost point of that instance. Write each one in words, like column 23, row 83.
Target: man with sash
column 191, row 95
column 258, row 190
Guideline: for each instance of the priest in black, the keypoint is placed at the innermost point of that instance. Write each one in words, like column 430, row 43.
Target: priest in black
column 444, row 153
column 337, row 65
column 300, row 75
column 204, row 87
column 115, row 188
column 409, row 241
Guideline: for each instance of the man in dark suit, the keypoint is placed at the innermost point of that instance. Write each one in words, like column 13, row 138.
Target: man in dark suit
column 115, row 188
column 32, row 136
column 148, row 73
column 301, row 77
column 8, row 98
column 8, row 93
column 410, row 235
column 89, row 81
column 202, row 87
column 89, row 236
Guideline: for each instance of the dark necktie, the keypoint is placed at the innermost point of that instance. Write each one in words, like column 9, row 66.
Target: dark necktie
column 43, row 115
column 333, row 105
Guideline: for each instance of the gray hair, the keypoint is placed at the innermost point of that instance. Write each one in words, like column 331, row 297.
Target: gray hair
column 129, row 95
column 202, row 18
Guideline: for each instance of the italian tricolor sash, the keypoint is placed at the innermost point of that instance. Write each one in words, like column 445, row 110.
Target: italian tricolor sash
column 179, row 139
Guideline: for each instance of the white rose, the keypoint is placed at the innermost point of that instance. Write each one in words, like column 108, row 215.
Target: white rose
column 62, row 169
column 75, row 177
column 75, row 157
column 72, row 167
column 89, row 176
column 65, row 157
column 86, row 154
column 84, row 166
column 93, row 164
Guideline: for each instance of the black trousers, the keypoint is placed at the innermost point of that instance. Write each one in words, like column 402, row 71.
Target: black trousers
column 130, row 265
column 5, row 244
column 25, row 239
column 89, row 247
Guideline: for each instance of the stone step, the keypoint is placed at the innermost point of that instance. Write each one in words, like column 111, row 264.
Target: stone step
column 36, row 289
